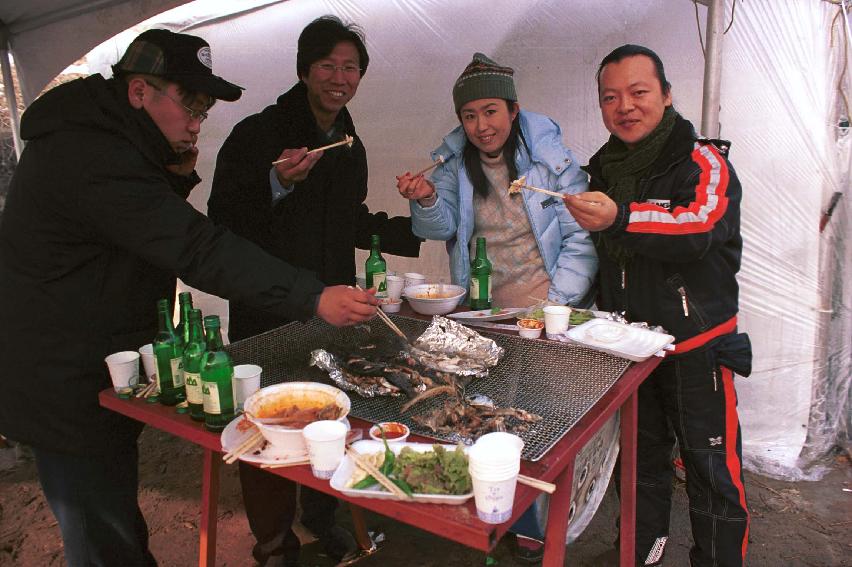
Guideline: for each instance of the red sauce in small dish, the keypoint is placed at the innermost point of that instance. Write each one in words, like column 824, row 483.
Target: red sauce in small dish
column 392, row 430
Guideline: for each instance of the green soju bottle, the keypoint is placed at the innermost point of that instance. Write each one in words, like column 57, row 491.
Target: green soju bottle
column 193, row 358
column 168, row 351
column 217, row 372
column 480, row 278
column 182, row 329
column 376, row 268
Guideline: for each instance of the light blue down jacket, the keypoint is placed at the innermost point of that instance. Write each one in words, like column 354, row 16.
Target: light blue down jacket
column 567, row 249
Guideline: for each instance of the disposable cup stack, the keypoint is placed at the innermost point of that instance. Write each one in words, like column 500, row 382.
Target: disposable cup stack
column 495, row 460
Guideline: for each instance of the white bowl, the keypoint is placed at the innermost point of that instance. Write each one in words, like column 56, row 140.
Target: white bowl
column 434, row 299
column 529, row 333
column 391, row 305
column 289, row 440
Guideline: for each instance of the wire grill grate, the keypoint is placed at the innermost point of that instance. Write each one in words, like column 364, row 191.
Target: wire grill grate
column 557, row 381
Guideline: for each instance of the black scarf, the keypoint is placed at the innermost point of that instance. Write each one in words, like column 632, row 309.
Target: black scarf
column 622, row 168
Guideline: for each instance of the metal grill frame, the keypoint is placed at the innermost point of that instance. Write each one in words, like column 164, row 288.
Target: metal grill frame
column 558, row 381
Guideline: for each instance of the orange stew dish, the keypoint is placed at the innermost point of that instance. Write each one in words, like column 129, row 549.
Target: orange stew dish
column 530, row 324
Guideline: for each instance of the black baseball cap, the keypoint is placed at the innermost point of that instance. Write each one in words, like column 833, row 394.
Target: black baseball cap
column 178, row 57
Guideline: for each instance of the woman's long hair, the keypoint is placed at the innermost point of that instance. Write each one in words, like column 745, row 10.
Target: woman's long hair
column 473, row 163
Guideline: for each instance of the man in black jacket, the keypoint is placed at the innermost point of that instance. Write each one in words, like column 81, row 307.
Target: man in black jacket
column 95, row 230
column 666, row 223
column 309, row 210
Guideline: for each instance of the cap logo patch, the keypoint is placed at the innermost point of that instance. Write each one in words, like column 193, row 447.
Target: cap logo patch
column 206, row 57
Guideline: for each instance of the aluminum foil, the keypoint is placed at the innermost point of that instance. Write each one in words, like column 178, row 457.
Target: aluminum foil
column 324, row 360
column 449, row 346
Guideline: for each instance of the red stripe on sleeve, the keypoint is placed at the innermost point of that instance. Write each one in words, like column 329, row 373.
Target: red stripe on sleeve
column 702, row 214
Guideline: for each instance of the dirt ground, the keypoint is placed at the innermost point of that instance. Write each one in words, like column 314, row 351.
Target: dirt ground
column 793, row 524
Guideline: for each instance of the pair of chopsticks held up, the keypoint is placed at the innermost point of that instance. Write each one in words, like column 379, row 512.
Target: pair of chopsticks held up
column 346, row 141
column 515, row 187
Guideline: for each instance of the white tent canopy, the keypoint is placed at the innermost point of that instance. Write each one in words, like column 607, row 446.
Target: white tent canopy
column 781, row 103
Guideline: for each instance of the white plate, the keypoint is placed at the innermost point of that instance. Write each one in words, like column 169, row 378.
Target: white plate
column 618, row 339
column 347, row 468
column 232, row 437
column 485, row 314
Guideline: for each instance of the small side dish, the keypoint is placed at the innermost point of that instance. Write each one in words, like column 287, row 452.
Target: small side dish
column 530, row 324
column 394, row 431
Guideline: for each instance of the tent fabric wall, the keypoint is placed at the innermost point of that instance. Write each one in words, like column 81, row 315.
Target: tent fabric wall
column 37, row 27
column 781, row 108
column 782, row 75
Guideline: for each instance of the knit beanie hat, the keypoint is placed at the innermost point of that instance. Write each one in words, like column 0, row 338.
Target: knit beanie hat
column 483, row 78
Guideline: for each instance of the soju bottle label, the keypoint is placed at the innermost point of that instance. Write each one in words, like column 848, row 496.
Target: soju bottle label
column 193, row 388
column 177, row 372
column 380, row 282
column 476, row 291
column 210, row 393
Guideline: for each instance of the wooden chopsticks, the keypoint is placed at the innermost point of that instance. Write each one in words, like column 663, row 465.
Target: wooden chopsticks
column 377, row 474
column 519, row 184
column 548, row 487
column 348, row 140
column 435, row 163
column 302, row 460
column 384, row 317
column 243, row 447
column 147, row 391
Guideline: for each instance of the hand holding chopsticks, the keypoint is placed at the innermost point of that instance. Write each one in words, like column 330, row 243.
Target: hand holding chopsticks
column 348, row 141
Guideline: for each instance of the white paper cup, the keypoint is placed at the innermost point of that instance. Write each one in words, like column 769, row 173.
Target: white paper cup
column 556, row 318
column 124, row 370
column 246, row 382
column 494, row 498
column 326, row 441
column 413, row 278
column 395, row 286
column 503, row 442
column 149, row 362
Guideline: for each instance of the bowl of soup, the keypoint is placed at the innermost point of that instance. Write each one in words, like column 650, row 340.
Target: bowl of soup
column 281, row 411
column 434, row 299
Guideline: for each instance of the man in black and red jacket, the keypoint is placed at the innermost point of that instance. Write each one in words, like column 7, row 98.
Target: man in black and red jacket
column 665, row 215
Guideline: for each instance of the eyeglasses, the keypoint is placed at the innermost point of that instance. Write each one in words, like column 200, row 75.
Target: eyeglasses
column 328, row 69
column 199, row 115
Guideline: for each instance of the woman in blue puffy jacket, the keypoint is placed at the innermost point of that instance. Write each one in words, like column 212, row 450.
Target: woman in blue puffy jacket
column 536, row 247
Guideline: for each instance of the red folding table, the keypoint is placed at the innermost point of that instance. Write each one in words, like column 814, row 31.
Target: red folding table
column 457, row 523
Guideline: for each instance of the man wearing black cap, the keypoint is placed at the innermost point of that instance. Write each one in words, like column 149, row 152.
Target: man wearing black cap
column 95, row 230
column 308, row 210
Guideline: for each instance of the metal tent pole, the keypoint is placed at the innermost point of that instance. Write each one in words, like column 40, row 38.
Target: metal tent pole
column 11, row 94
column 711, row 100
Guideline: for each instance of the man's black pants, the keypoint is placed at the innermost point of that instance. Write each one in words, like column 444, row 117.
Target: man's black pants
column 94, row 499
column 692, row 397
column 270, row 502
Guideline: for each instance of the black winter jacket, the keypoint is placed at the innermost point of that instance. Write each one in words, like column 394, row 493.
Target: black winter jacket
column 684, row 231
column 94, row 232
column 318, row 225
